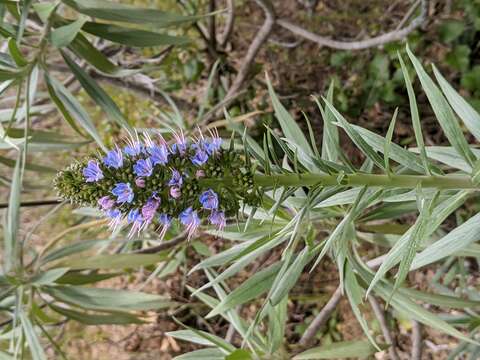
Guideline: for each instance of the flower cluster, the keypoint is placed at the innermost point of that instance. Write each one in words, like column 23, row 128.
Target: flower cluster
column 154, row 182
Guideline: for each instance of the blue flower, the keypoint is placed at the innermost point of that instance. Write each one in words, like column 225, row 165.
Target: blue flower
column 176, row 179
column 134, row 215
column 209, row 200
column 149, row 209
column 165, row 219
column 159, row 154
column 189, row 218
column 134, row 148
column 114, row 159
column 200, row 157
column 115, row 216
column 218, row 219
column 114, row 213
column 180, row 144
column 92, row 172
column 123, row 192
column 105, row 202
column 213, row 145
column 143, row 167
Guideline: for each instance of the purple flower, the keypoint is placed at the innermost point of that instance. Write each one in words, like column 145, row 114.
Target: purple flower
column 190, row 219
column 218, row 219
column 175, row 192
column 209, row 200
column 143, row 167
column 134, row 216
column 176, row 179
column 180, row 144
column 123, row 192
column 106, row 203
column 113, row 213
column 134, row 148
column 200, row 157
column 114, row 159
column 214, row 145
column 115, row 216
column 159, row 154
column 199, row 173
column 140, row 182
column 149, row 209
column 92, row 172
column 165, row 220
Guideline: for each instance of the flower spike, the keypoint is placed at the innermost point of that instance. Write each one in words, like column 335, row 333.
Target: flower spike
column 149, row 182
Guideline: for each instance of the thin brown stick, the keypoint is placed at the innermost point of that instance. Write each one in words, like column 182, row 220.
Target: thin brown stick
column 329, row 307
column 257, row 43
column 379, row 314
column 164, row 246
column 228, row 29
column 33, row 203
column 416, row 341
column 321, row 318
column 407, row 15
column 212, row 25
column 358, row 45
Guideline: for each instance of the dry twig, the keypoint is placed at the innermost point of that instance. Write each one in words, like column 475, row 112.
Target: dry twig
column 379, row 314
column 416, row 341
column 358, row 45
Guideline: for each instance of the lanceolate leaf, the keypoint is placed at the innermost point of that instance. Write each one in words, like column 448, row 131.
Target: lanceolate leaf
column 356, row 137
column 250, row 289
column 33, row 341
column 74, row 109
column 388, row 141
column 64, row 35
column 443, row 112
column 408, row 307
column 12, row 216
column 455, row 240
column 109, row 10
column 107, row 299
column 355, row 295
column 465, row 111
column 117, row 261
column 338, row 350
column 97, row 94
column 96, row 319
column 132, row 37
column 289, row 127
column 417, row 128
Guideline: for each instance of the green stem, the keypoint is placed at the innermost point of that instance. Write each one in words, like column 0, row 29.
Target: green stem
column 399, row 181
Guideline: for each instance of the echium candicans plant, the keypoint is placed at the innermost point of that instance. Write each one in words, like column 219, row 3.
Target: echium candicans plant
column 289, row 189
column 147, row 181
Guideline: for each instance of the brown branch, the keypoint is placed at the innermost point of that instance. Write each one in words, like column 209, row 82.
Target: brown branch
column 33, row 203
column 321, row 318
column 228, row 29
column 377, row 310
column 164, row 245
column 257, row 43
column 358, row 45
column 212, row 25
column 416, row 341
column 329, row 307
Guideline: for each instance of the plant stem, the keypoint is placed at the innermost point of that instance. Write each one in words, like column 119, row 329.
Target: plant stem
column 399, row 181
